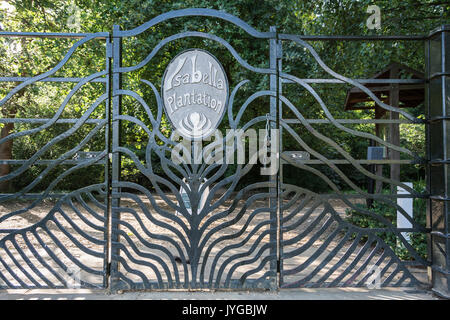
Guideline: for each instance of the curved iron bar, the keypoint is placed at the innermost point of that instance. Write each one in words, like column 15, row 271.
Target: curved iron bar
column 326, row 259
column 149, row 145
column 381, row 219
column 94, row 200
column 231, row 246
column 363, row 266
column 83, row 218
column 141, row 101
column 154, row 205
column 224, row 166
column 342, row 175
column 159, row 223
column 308, row 230
column 154, row 178
column 380, row 260
column 50, row 187
column 299, row 283
column 21, row 268
column 263, row 262
column 75, row 227
column 203, row 12
column 54, row 69
column 151, row 235
column 145, row 263
column 136, row 121
column 231, row 100
column 225, row 213
column 284, row 194
column 344, row 128
column 79, row 245
column 346, row 256
column 258, row 254
column 31, row 265
column 13, row 274
column 311, row 50
column 239, row 173
column 197, row 34
column 184, row 170
column 51, row 217
column 55, row 258
column 60, row 137
column 58, row 112
column 140, row 274
column 304, row 216
column 249, row 100
column 366, row 212
column 352, row 229
column 158, row 99
column 60, row 177
column 234, row 181
column 42, row 261
column 362, row 251
column 336, row 147
column 351, row 205
column 153, row 246
column 88, row 208
column 297, row 209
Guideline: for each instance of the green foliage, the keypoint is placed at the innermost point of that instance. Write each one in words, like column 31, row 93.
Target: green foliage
column 353, row 59
column 418, row 240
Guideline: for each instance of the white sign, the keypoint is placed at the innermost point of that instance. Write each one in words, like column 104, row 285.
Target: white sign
column 187, row 202
column 407, row 205
column 195, row 93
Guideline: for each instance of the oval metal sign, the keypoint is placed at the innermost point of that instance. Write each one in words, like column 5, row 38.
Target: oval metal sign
column 195, row 93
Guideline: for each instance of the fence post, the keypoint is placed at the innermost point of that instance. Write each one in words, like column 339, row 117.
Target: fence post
column 115, row 174
column 438, row 141
column 275, row 205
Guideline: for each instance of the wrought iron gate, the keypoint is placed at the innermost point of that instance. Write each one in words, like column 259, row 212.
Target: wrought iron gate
column 126, row 235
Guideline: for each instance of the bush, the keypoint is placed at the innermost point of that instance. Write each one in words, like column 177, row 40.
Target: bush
column 418, row 240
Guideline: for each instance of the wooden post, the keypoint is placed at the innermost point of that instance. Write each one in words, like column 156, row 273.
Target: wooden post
column 378, row 132
column 394, row 129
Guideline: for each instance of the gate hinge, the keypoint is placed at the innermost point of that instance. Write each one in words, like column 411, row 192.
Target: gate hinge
column 108, row 268
column 278, row 266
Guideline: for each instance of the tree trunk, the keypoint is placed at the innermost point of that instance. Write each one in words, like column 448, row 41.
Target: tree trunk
column 5, row 154
column 394, row 129
column 379, row 132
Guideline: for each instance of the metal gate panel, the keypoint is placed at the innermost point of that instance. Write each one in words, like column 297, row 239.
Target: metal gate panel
column 228, row 243
column 54, row 239
column 319, row 247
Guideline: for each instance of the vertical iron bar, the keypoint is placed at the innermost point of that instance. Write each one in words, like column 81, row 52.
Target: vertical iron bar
column 107, row 236
column 438, row 109
column 275, row 85
column 429, row 220
column 280, row 166
column 115, row 174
